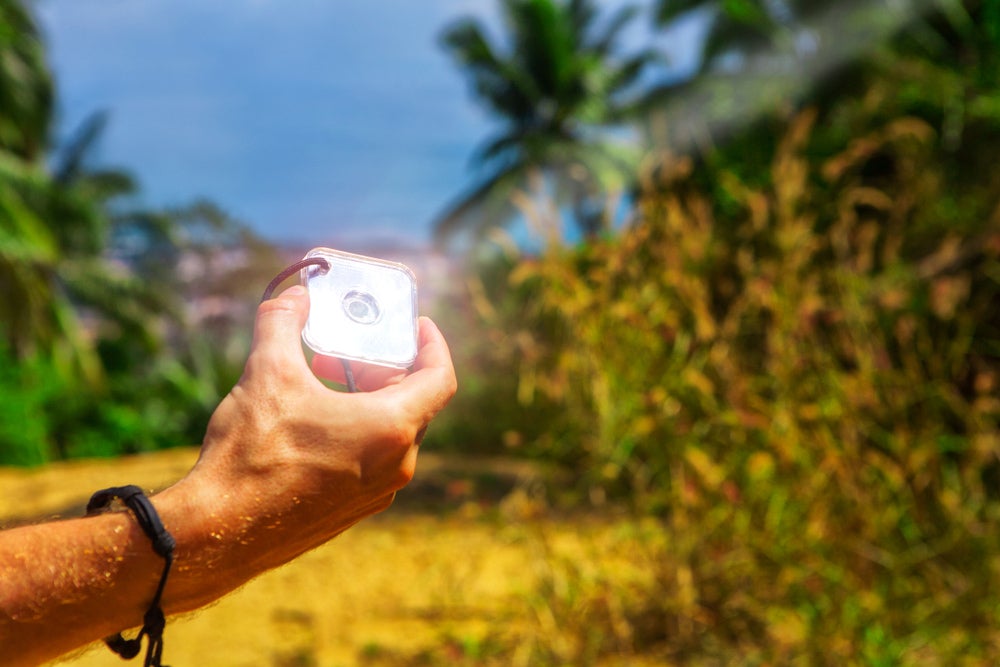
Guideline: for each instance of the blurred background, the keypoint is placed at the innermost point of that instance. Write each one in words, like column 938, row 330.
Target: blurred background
column 720, row 279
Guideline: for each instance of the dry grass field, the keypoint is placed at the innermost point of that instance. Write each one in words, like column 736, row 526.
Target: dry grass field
column 467, row 568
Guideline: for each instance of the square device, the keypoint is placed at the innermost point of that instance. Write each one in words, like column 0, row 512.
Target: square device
column 362, row 309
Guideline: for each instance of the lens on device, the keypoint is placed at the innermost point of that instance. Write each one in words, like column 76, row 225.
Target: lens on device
column 361, row 307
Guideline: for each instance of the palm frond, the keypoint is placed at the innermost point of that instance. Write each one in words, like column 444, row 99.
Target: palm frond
column 466, row 41
column 668, row 11
column 582, row 14
column 505, row 88
column 108, row 184
column 486, row 204
column 504, row 147
column 748, row 12
column 729, row 35
column 544, row 45
column 604, row 43
column 624, row 78
column 26, row 90
column 70, row 160
column 119, row 296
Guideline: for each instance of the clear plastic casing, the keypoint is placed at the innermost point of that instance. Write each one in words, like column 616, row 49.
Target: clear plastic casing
column 362, row 309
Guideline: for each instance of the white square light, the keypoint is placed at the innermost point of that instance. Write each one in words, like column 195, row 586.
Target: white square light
column 362, row 309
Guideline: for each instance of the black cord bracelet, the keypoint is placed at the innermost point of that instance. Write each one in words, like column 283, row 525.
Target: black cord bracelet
column 163, row 544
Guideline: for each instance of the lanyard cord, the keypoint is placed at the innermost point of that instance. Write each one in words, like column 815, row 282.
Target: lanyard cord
column 324, row 267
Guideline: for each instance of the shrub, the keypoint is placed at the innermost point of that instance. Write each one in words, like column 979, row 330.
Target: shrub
column 804, row 391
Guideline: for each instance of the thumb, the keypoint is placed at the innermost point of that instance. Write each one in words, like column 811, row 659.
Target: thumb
column 278, row 327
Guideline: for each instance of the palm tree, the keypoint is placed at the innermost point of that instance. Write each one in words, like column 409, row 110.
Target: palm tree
column 739, row 30
column 57, row 220
column 59, row 217
column 26, row 92
column 555, row 83
column 30, row 311
column 94, row 301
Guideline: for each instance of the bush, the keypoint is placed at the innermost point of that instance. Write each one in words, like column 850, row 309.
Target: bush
column 46, row 415
column 804, row 391
column 25, row 391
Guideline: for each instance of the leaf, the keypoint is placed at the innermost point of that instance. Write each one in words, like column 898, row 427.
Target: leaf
column 711, row 474
column 489, row 201
column 668, row 11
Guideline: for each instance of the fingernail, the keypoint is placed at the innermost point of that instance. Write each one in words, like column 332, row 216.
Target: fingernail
column 296, row 290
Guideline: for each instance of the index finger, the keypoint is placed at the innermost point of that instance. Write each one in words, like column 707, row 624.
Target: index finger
column 432, row 351
column 432, row 348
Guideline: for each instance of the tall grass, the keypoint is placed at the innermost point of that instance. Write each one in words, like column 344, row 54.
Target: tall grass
column 799, row 382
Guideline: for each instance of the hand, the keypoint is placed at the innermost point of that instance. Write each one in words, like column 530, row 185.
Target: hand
column 287, row 463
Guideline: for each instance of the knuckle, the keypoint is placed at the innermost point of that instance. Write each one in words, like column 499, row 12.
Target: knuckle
column 400, row 433
column 278, row 304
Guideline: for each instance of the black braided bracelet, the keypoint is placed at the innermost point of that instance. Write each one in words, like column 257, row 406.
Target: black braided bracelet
column 163, row 544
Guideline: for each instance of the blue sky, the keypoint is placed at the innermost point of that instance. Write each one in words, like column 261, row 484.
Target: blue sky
column 308, row 120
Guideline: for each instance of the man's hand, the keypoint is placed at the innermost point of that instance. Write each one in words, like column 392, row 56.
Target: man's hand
column 286, row 465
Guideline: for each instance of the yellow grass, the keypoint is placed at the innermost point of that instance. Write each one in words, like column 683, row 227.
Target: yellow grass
column 461, row 581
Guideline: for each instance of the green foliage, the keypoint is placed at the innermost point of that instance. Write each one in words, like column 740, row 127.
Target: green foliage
column 555, row 82
column 789, row 363
column 25, row 391
column 803, row 390
column 120, row 327
column 489, row 379
column 746, row 28
column 26, row 91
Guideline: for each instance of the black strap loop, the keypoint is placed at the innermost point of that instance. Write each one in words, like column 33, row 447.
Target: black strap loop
column 163, row 543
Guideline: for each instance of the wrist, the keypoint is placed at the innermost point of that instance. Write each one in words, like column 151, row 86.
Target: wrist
column 207, row 562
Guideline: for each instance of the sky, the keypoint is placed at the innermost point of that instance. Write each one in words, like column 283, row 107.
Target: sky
column 308, row 120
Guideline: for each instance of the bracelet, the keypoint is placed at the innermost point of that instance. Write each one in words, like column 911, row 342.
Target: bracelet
column 163, row 544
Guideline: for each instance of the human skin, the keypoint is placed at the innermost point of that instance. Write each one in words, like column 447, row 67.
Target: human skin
column 286, row 465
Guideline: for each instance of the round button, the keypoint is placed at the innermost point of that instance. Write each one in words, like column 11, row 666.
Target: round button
column 361, row 307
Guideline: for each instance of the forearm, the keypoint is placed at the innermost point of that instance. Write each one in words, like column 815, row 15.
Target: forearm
column 286, row 465
column 69, row 583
